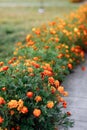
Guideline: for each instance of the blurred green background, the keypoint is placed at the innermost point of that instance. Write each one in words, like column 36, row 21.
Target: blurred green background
column 18, row 17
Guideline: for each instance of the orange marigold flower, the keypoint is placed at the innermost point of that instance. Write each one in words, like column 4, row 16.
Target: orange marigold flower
column 1, row 63
column 51, row 80
column 24, row 110
column 14, row 58
column 4, row 89
column 2, row 101
column 50, row 104
column 37, row 31
column 72, row 49
column 36, row 58
column 52, row 31
column 52, row 23
column 61, row 89
column 30, row 69
column 37, row 112
column 28, row 37
column 70, row 66
column 60, row 56
column 12, row 104
column 67, row 55
column 82, row 53
column 57, row 83
column 35, row 65
column 38, row 98
column 47, row 73
column 4, row 68
column 29, row 94
column 1, row 120
column 53, row 90
column 30, row 43
column 34, row 47
column 10, row 61
column 47, row 67
column 56, row 39
column 60, row 99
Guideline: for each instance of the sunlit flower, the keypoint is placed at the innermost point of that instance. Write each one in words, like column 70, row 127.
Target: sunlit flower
column 37, row 112
column 12, row 104
column 50, row 104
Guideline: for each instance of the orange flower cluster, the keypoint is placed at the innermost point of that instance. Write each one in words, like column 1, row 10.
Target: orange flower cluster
column 19, row 105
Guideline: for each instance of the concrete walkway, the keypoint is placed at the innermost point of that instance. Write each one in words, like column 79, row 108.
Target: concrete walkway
column 76, row 85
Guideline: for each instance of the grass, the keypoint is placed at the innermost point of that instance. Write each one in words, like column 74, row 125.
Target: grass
column 16, row 22
column 32, row 0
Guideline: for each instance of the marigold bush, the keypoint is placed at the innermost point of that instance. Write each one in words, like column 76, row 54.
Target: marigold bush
column 31, row 100
column 31, row 93
column 61, row 43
